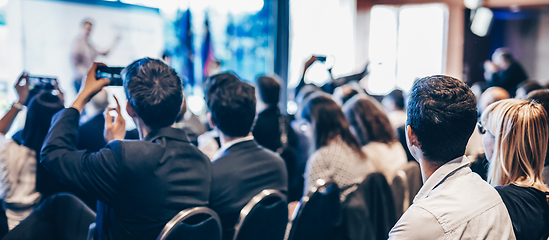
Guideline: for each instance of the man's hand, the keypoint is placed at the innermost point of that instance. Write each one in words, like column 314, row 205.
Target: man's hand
column 115, row 127
column 22, row 89
column 90, row 87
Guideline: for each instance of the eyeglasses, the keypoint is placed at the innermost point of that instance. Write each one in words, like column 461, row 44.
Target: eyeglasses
column 481, row 128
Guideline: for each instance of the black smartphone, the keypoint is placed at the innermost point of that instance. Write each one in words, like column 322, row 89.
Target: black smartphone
column 321, row 58
column 112, row 73
column 40, row 82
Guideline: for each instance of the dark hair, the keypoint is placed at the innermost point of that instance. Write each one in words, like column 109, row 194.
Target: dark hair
column 369, row 121
column 154, row 90
column 442, row 113
column 40, row 111
column 233, row 108
column 398, row 97
column 529, row 86
column 541, row 96
column 328, row 121
column 212, row 83
column 268, row 89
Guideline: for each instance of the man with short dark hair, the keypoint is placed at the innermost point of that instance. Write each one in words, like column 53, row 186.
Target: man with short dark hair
column 140, row 185
column 241, row 168
column 454, row 202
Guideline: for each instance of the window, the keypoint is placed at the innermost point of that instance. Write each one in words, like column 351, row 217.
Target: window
column 406, row 43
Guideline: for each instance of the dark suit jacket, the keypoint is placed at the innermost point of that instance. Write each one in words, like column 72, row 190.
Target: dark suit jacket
column 141, row 185
column 243, row 171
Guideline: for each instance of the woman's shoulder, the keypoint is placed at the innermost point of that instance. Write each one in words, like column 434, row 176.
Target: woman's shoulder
column 523, row 196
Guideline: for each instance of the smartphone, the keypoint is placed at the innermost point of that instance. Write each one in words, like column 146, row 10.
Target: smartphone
column 321, row 58
column 42, row 82
column 112, row 73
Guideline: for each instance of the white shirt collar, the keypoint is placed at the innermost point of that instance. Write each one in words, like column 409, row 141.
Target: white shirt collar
column 229, row 144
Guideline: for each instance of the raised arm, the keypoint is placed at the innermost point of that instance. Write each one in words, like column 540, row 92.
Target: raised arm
column 308, row 63
column 22, row 90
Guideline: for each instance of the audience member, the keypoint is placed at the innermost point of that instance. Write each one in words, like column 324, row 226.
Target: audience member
column 504, row 71
column 140, row 185
column 394, row 104
column 373, row 130
column 25, row 180
column 272, row 130
column 474, row 146
column 515, row 138
column 241, row 168
column 338, row 155
column 454, row 203
column 526, row 87
column 342, row 94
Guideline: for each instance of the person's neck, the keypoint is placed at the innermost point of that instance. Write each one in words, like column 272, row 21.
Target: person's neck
column 143, row 129
column 427, row 168
column 224, row 139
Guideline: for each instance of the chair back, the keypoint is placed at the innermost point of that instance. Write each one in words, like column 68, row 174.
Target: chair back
column 401, row 193
column 194, row 223
column 317, row 214
column 415, row 182
column 264, row 217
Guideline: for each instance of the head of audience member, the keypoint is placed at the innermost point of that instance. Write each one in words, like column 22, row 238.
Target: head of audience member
column 232, row 108
column 394, row 101
column 154, row 92
column 515, row 141
column 368, row 122
column 268, row 92
column 342, row 94
column 526, row 87
column 503, row 58
column 87, row 26
column 541, row 96
column 40, row 111
column 327, row 122
column 491, row 95
column 441, row 117
column 212, row 83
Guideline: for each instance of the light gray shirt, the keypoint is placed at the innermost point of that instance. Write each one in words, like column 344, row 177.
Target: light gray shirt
column 455, row 203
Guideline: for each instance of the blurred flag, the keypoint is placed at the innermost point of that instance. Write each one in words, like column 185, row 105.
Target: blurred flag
column 208, row 56
column 186, row 39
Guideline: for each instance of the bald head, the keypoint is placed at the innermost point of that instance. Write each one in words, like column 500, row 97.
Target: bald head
column 491, row 95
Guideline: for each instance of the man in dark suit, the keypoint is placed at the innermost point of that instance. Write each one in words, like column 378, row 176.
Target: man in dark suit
column 140, row 185
column 241, row 168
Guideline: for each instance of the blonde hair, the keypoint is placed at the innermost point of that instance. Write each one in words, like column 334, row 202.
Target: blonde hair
column 521, row 134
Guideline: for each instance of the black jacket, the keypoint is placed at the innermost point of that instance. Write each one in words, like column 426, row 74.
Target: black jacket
column 140, row 185
column 244, row 170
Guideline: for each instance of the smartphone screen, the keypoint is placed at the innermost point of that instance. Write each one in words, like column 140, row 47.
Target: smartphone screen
column 111, row 73
column 42, row 82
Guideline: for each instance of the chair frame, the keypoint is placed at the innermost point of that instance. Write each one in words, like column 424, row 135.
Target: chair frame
column 320, row 185
column 182, row 216
column 251, row 204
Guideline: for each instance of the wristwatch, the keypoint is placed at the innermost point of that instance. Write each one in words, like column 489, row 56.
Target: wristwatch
column 17, row 105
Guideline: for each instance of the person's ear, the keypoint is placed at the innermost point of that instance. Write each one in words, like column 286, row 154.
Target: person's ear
column 210, row 120
column 411, row 137
column 130, row 110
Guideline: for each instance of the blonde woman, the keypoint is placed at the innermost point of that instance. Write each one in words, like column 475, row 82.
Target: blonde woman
column 515, row 141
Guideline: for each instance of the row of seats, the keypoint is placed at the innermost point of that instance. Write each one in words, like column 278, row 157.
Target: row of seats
column 368, row 213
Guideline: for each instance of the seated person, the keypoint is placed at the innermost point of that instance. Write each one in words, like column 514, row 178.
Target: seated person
column 454, row 202
column 372, row 128
column 140, row 185
column 338, row 155
column 515, row 139
column 241, row 167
